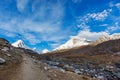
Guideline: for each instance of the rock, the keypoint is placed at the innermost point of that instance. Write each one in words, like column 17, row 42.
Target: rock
column 45, row 68
column 117, row 64
column 62, row 70
column 5, row 49
column 9, row 55
column 77, row 71
column 117, row 74
column 2, row 61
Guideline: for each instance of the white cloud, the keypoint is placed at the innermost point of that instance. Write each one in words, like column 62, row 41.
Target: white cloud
column 21, row 4
column 47, row 10
column 7, row 33
column 103, row 25
column 117, row 5
column 114, row 5
column 100, row 15
column 91, row 35
column 32, row 31
column 44, row 23
column 113, row 28
column 31, row 38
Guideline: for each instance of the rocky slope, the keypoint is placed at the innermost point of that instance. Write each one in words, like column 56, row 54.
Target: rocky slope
column 10, row 54
column 101, row 61
column 90, row 62
column 24, row 64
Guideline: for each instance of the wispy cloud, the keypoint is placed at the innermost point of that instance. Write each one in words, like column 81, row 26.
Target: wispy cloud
column 91, row 35
column 43, row 24
column 111, row 4
column 21, row 4
column 76, row 1
column 113, row 28
column 117, row 5
column 105, row 25
column 98, row 16
column 44, row 20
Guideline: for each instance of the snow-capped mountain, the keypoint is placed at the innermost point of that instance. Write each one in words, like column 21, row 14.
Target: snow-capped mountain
column 77, row 41
column 19, row 43
column 74, row 42
column 107, row 38
column 45, row 51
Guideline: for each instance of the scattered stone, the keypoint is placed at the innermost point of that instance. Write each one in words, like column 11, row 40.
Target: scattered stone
column 55, row 75
column 117, row 53
column 45, row 68
column 117, row 64
column 62, row 70
column 117, row 74
column 5, row 49
column 78, row 71
column 9, row 55
column 2, row 61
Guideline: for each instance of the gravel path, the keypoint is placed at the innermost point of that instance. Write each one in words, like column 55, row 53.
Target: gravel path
column 28, row 70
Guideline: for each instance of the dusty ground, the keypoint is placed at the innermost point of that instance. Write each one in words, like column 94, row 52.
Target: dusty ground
column 27, row 70
column 31, row 70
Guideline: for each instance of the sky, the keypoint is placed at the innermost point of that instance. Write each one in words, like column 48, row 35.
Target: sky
column 46, row 24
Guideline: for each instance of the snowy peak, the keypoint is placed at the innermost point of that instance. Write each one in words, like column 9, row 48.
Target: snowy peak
column 79, row 40
column 74, row 42
column 107, row 38
column 19, row 43
column 45, row 51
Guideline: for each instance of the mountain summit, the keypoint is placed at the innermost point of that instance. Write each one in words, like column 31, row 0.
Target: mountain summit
column 19, row 43
column 74, row 42
column 45, row 51
column 77, row 41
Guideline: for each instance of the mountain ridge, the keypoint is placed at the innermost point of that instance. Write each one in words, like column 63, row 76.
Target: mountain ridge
column 79, row 41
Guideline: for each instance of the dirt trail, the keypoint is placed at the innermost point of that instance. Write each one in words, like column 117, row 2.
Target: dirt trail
column 28, row 70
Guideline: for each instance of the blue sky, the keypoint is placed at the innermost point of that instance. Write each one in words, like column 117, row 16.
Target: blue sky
column 50, row 23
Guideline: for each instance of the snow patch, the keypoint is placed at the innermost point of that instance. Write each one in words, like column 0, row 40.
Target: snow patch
column 45, row 51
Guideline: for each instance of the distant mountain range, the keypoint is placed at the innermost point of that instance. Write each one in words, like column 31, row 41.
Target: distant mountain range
column 21, row 44
column 75, row 41
column 78, row 41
